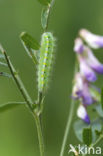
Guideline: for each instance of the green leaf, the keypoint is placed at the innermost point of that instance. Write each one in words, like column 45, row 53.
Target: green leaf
column 87, row 136
column 5, row 74
column 10, row 105
column 78, row 128
column 2, row 56
column 45, row 2
column 95, row 93
column 29, row 41
column 31, row 45
column 99, row 110
column 96, row 126
column 102, row 98
column 44, row 17
column 3, row 64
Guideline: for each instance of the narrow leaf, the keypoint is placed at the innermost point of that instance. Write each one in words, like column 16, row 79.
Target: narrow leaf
column 31, row 45
column 45, row 16
column 102, row 98
column 2, row 56
column 10, row 105
column 5, row 74
column 29, row 41
column 87, row 136
column 3, row 64
column 45, row 2
column 2, row 50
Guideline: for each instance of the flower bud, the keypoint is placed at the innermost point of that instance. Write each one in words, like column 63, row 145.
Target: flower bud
column 78, row 47
column 86, row 71
column 93, row 62
column 82, row 114
column 78, row 86
column 94, row 41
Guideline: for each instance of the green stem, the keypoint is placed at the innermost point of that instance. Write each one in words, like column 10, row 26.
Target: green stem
column 27, row 98
column 97, row 141
column 19, row 82
column 67, row 130
column 40, row 136
column 69, row 121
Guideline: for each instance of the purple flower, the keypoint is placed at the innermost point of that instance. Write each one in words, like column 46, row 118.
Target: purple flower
column 78, row 86
column 78, row 47
column 93, row 62
column 94, row 41
column 86, row 95
column 81, row 90
column 82, row 114
column 86, row 71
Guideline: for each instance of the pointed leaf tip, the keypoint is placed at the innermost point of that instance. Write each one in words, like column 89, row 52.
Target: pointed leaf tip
column 3, row 64
column 2, row 49
column 44, row 2
column 44, row 17
column 10, row 105
column 29, row 41
column 5, row 74
column 31, row 46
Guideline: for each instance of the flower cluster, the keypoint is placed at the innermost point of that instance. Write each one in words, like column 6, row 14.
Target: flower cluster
column 89, row 67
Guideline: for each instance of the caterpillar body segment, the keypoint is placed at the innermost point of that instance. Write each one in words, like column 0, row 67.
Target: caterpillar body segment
column 45, row 60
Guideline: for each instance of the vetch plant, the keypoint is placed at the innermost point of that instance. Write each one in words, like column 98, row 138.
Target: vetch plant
column 42, row 56
column 85, row 93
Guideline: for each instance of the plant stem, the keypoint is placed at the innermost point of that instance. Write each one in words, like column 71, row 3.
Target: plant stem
column 19, row 82
column 40, row 136
column 69, row 121
column 28, row 100
column 67, row 128
column 98, row 140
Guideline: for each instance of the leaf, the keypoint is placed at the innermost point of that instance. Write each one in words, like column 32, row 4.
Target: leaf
column 99, row 110
column 5, row 74
column 87, row 136
column 78, row 128
column 3, row 64
column 2, row 56
column 96, row 126
column 44, row 17
column 102, row 98
column 10, row 105
column 95, row 93
column 45, row 2
column 2, row 50
column 29, row 41
column 31, row 45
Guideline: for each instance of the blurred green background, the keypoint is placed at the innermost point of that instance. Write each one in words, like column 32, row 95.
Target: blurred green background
column 18, row 136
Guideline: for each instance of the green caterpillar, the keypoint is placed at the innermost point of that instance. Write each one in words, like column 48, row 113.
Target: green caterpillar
column 45, row 60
